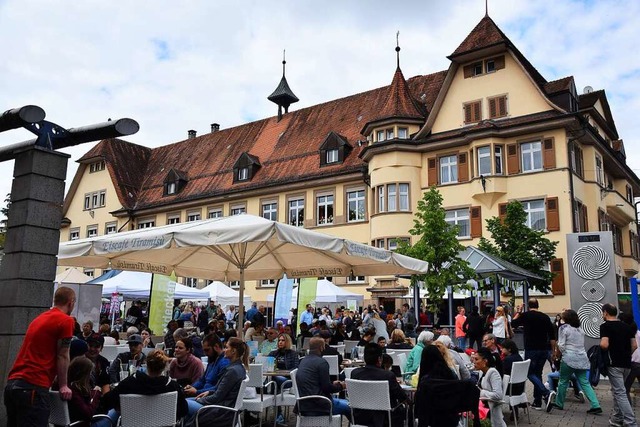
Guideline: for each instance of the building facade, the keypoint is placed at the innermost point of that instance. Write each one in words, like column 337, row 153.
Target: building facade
column 488, row 130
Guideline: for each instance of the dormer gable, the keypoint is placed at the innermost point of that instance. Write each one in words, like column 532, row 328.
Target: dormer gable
column 334, row 149
column 245, row 167
column 174, row 182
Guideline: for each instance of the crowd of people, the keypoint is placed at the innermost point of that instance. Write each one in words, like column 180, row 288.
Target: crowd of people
column 56, row 353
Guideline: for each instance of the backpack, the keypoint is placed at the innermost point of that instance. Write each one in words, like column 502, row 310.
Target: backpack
column 599, row 360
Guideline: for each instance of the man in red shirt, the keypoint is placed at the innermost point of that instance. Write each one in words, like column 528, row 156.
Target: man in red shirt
column 43, row 355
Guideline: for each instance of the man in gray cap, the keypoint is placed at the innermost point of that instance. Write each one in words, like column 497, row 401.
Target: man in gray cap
column 134, row 357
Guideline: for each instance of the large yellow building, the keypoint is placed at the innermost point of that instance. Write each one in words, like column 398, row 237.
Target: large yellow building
column 488, row 130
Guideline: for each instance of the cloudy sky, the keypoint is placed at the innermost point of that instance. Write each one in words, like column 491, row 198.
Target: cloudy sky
column 174, row 66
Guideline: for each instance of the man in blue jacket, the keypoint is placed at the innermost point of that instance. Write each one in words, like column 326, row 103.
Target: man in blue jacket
column 216, row 364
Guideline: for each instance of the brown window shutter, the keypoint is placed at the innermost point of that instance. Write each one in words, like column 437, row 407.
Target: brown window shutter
column 432, row 171
column 549, row 154
column 499, row 62
column 468, row 71
column 585, row 218
column 467, row 113
column 493, row 108
column 476, row 221
column 477, row 112
column 557, row 283
column 463, row 168
column 502, row 106
column 513, row 161
column 502, row 211
column 553, row 216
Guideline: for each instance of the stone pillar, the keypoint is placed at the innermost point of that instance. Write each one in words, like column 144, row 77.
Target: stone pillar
column 33, row 234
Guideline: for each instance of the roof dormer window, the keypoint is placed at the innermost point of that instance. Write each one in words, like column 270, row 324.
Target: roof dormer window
column 334, row 149
column 332, row 155
column 243, row 174
column 245, row 167
column 403, row 133
column 174, row 182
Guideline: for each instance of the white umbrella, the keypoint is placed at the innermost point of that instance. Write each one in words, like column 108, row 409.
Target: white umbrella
column 235, row 248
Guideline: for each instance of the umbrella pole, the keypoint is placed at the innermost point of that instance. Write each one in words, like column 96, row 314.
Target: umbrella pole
column 240, row 322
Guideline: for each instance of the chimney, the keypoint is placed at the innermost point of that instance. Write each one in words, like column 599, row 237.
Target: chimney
column 191, row 134
column 215, row 127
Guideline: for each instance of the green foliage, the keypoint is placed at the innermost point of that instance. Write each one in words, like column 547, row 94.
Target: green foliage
column 439, row 246
column 3, row 222
column 515, row 242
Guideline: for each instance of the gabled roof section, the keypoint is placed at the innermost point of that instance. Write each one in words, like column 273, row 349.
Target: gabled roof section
column 176, row 175
column 559, row 85
column 334, row 140
column 484, row 35
column 245, row 160
column 588, row 100
column 126, row 163
column 399, row 103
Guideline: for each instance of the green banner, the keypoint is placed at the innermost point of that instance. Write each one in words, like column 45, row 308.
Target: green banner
column 307, row 290
column 161, row 302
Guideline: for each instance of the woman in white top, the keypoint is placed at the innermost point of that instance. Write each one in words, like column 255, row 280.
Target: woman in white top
column 574, row 361
column 500, row 325
column 635, row 365
column 490, row 385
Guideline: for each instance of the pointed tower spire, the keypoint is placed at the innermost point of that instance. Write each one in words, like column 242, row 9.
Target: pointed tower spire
column 398, row 49
column 283, row 96
column 486, row 7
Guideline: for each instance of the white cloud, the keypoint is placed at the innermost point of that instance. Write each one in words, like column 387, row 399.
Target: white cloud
column 174, row 66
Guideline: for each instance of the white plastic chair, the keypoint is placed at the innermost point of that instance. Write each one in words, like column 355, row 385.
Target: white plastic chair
column 340, row 348
column 519, row 372
column 370, row 396
column 160, row 346
column 288, row 393
column 334, row 368
column 110, row 352
column 59, row 415
column 137, row 410
column 399, row 359
column 147, row 350
column 236, row 409
column 322, row 402
column 347, row 371
column 349, row 346
column 262, row 402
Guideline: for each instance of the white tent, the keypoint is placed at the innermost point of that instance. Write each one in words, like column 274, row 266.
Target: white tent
column 463, row 294
column 137, row 285
column 326, row 292
column 72, row 275
column 224, row 295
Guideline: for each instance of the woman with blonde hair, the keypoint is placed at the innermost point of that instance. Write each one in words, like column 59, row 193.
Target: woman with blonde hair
column 447, row 358
column 399, row 341
column 500, row 325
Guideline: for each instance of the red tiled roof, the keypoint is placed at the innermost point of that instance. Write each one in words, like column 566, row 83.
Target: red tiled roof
column 126, row 163
column 485, row 34
column 288, row 149
column 399, row 103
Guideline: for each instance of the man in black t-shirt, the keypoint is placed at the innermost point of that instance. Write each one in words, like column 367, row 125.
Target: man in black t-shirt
column 539, row 341
column 618, row 338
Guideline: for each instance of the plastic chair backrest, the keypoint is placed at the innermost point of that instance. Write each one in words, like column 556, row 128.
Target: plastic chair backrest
column 349, row 346
column 110, row 352
column 294, row 386
column 137, row 410
column 240, row 398
column 160, row 346
column 305, row 343
column 348, row 371
column 371, row 395
column 323, row 404
column 147, row 350
column 255, row 375
column 334, row 368
column 59, row 410
column 519, row 371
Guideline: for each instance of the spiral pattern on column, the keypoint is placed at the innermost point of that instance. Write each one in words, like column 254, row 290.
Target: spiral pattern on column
column 591, row 262
column 590, row 315
column 592, row 290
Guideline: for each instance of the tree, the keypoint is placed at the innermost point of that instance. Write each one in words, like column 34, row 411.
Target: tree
column 515, row 242
column 3, row 223
column 439, row 246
